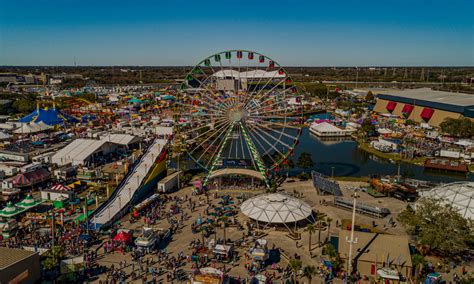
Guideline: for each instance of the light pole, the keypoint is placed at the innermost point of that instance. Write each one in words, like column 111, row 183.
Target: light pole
column 357, row 75
column 332, row 172
column 352, row 241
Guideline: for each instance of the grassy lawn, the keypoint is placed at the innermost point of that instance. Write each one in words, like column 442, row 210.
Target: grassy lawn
column 361, row 179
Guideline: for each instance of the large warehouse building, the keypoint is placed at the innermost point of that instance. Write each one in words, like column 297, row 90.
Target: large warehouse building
column 425, row 105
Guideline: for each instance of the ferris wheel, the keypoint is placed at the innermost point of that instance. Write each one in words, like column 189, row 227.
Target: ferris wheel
column 239, row 108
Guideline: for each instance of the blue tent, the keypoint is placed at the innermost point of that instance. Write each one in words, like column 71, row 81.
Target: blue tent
column 88, row 117
column 49, row 116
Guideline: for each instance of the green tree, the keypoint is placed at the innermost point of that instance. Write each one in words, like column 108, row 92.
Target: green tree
column 305, row 161
column 462, row 127
column 53, row 257
column 295, row 265
column 367, row 128
column 309, row 271
column 438, row 226
column 23, row 105
column 311, row 230
column 369, row 97
column 316, row 89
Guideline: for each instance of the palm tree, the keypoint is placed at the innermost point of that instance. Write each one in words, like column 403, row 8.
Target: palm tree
column 310, row 229
column 224, row 225
column 329, row 220
column 319, row 219
column 309, row 271
column 295, row 265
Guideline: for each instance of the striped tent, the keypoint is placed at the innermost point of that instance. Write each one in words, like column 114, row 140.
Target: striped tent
column 10, row 210
column 29, row 202
column 60, row 187
column 31, row 178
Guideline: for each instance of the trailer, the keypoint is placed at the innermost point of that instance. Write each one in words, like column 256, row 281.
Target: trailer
column 169, row 183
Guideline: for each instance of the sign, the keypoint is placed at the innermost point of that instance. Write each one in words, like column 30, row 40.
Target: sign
column 236, row 162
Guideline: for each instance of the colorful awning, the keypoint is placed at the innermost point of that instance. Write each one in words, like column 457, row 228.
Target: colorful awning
column 427, row 113
column 391, row 106
column 407, row 109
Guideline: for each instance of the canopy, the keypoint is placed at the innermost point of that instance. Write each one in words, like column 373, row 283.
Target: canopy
column 31, row 178
column 276, row 208
column 427, row 113
column 88, row 117
column 50, row 116
column 391, row 106
column 10, row 210
column 123, row 236
column 4, row 136
column 32, row 128
column 29, row 202
column 407, row 109
column 168, row 97
column 222, row 249
column 60, row 187
column 135, row 101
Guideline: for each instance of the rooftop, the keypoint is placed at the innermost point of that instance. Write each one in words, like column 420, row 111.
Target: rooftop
column 11, row 256
column 427, row 94
column 371, row 247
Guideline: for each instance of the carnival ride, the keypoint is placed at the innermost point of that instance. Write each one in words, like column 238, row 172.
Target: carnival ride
column 239, row 109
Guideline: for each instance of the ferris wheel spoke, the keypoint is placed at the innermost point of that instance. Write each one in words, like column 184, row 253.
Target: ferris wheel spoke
column 208, row 150
column 271, row 90
column 210, row 91
column 216, row 155
column 193, row 106
column 281, row 133
column 264, row 139
column 262, row 90
column 206, row 125
column 216, row 131
column 266, row 152
column 202, row 134
column 277, row 141
column 202, row 83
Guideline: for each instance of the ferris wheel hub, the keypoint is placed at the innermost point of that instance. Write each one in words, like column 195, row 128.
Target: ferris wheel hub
column 236, row 115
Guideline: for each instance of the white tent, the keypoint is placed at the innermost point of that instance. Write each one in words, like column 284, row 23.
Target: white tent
column 4, row 136
column 460, row 195
column 28, row 128
column 276, row 208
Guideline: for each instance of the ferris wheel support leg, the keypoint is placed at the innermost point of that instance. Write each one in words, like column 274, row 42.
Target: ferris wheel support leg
column 256, row 156
column 218, row 156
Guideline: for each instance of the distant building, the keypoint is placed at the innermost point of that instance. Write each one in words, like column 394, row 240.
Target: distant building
column 425, row 105
column 19, row 266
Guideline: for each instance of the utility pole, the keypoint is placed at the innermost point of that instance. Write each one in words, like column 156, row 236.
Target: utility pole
column 52, row 231
column 357, row 76
column 352, row 241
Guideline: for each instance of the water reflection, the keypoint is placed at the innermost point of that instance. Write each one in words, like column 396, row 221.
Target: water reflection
column 343, row 156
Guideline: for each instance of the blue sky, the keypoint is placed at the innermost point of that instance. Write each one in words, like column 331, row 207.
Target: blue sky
column 295, row 33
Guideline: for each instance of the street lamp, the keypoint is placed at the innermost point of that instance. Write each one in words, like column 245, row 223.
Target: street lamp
column 352, row 241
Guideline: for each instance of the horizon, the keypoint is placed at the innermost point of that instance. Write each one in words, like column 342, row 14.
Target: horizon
column 177, row 33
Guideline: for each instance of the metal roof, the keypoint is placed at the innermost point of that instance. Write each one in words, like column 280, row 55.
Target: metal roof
column 11, row 256
column 460, row 195
column 427, row 94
